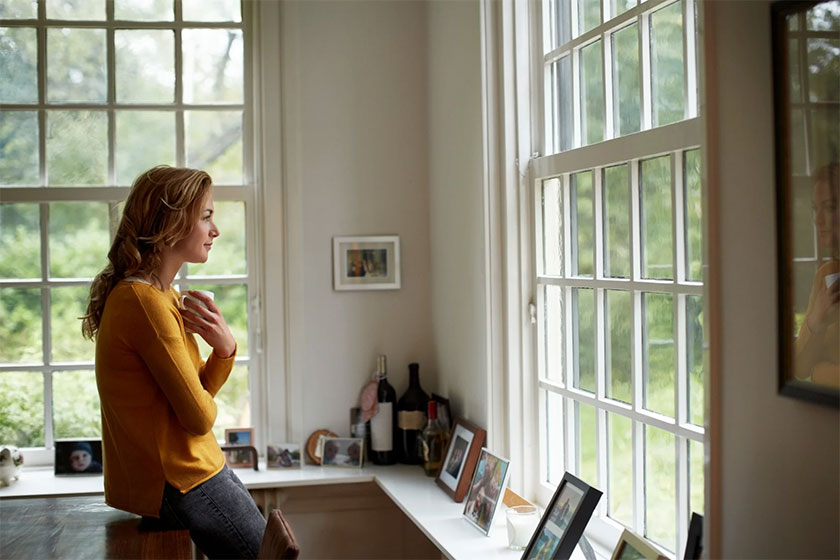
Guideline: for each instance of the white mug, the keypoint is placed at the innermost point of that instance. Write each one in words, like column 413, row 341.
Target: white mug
column 185, row 297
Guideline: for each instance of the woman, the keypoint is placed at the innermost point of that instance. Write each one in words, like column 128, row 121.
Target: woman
column 160, row 456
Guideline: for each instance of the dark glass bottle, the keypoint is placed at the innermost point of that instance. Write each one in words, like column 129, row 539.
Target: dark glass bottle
column 411, row 418
column 382, row 433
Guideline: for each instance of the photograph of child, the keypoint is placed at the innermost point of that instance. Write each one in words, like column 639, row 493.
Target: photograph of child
column 485, row 490
column 342, row 452
column 284, row 455
column 78, row 457
column 456, row 457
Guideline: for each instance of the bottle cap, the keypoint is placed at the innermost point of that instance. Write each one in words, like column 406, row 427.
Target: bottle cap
column 432, row 409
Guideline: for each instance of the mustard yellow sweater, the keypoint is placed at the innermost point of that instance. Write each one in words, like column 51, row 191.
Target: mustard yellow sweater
column 157, row 399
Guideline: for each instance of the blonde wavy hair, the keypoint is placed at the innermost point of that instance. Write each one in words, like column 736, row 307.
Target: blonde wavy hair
column 162, row 208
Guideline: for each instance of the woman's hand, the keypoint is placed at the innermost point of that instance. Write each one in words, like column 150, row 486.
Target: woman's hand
column 825, row 307
column 208, row 323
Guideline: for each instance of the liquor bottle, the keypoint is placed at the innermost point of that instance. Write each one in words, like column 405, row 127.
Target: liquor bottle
column 411, row 418
column 382, row 424
column 433, row 442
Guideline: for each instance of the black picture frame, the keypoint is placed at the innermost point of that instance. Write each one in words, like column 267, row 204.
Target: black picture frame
column 78, row 457
column 564, row 520
column 790, row 183
column 694, row 540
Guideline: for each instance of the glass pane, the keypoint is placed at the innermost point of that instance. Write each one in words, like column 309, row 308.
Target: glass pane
column 825, row 137
column 587, row 443
column 590, row 14
column 561, row 105
column 666, row 60
column 552, row 343
column 76, row 9
column 621, row 6
column 79, row 239
column 134, row 153
column 657, row 245
column 143, row 10
column 214, row 144
column 22, row 408
column 20, row 241
column 229, row 250
column 660, row 487
column 696, row 497
column 823, row 70
column 554, row 435
column 583, row 321
column 617, row 221
column 232, row 300
column 797, row 142
column 19, row 151
column 560, row 23
column 694, row 348
column 77, row 147
column 213, row 66
column 583, row 223
column 211, row 10
column 552, row 227
column 20, row 325
column 18, row 9
column 76, row 65
column 693, row 218
column 620, row 468
column 76, row 410
column 619, row 316
column 825, row 16
column 591, row 94
column 66, row 306
column 145, row 65
column 659, row 363
column 233, row 402
column 627, row 90
column 795, row 77
column 18, row 64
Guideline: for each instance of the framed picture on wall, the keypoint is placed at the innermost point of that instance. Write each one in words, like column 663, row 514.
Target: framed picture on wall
column 366, row 262
column 807, row 137
column 460, row 458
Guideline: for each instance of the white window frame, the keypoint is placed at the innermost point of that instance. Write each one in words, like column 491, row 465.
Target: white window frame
column 42, row 194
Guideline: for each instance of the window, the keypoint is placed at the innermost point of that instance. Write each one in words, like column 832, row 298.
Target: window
column 618, row 242
column 92, row 94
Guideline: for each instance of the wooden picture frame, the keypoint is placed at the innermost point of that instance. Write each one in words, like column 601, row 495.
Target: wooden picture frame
column 239, row 437
column 486, row 490
column 564, row 520
column 807, row 143
column 632, row 547
column 370, row 262
column 460, row 458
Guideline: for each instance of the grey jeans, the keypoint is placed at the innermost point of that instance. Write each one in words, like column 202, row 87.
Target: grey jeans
column 220, row 514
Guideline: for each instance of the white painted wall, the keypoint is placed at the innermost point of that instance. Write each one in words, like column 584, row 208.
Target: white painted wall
column 456, row 207
column 779, row 457
column 356, row 158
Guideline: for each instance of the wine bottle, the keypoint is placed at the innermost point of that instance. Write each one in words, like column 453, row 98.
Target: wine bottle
column 382, row 424
column 433, row 442
column 411, row 418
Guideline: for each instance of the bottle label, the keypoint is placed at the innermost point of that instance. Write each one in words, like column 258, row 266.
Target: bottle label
column 411, row 419
column 382, row 428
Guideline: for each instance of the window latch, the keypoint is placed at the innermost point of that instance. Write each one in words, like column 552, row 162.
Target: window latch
column 532, row 311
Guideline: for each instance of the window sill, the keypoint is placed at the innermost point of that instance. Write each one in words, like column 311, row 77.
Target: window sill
column 434, row 512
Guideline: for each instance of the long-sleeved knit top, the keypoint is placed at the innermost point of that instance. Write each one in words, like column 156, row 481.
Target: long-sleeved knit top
column 157, row 399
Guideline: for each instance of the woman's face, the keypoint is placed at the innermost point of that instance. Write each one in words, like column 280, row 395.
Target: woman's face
column 827, row 215
column 79, row 460
column 195, row 248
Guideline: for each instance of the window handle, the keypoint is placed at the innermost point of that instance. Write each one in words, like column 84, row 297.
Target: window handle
column 532, row 311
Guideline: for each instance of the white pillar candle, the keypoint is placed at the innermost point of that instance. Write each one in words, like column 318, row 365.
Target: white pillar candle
column 521, row 523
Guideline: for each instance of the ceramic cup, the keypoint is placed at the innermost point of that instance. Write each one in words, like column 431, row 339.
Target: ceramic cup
column 522, row 521
column 185, row 297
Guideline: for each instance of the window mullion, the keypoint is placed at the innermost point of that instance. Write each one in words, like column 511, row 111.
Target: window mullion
column 690, row 56
column 110, row 55
column 644, row 71
column 682, row 483
column 46, row 325
column 639, row 521
column 607, row 79
column 180, row 135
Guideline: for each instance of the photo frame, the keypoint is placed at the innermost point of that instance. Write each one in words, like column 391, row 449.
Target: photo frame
column 457, row 468
column 283, row 456
column 694, row 540
column 366, row 262
column 807, row 144
column 343, row 452
column 632, row 547
column 78, row 457
column 245, row 438
column 564, row 520
column 486, row 490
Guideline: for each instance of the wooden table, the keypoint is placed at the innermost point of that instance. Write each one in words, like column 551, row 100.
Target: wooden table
column 82, row 527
